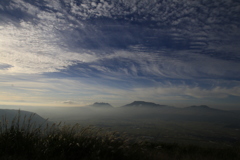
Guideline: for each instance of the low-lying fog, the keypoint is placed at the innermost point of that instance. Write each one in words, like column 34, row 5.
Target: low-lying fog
column 146, row 119
column 136, row 110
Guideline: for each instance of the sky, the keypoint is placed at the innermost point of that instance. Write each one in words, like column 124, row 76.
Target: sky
column 77, row 52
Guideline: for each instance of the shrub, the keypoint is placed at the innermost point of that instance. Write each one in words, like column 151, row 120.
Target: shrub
column 26, row 140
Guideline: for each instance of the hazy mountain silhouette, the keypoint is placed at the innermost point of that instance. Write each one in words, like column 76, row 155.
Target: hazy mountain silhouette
column 21, row 116
column 202, row 108
column 140, row 104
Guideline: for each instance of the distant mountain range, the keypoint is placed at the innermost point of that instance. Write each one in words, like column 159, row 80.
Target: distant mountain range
column 204, row 108
column 143, row 104
column 196, row 108
column 136, row 110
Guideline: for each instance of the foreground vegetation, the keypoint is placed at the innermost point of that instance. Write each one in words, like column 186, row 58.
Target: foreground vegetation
column 23, row 140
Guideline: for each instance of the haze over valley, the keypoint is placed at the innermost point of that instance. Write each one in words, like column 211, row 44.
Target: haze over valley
column 150, row 121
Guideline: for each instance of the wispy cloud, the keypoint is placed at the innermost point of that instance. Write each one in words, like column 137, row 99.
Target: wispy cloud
column 164, row 65
column 191, row 92
column 84, row 91
column 48, row 43
column 119, row 50
column 35, row 49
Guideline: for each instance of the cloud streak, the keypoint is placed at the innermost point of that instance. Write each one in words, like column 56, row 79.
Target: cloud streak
column 135, row 48
column 40, row 41
column 34, row 49
column 84, row 91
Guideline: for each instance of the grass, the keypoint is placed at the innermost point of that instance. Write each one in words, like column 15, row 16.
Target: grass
column 25, row 140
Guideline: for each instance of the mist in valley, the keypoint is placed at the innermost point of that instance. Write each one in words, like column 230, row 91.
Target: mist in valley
column 153, row 122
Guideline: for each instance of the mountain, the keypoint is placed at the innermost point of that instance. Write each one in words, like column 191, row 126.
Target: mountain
column 143, row 104
column 202, row 108
column 101, row 105
column 21, row 117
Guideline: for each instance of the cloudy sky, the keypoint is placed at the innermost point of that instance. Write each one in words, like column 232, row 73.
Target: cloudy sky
column 77, row 52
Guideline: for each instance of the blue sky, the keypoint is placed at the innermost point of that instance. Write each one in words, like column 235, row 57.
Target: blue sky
column 74, row 53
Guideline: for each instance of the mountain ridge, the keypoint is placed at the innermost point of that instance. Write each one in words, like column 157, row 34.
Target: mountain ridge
column 19, row 116
column 143, row 104
column 101, row 105
column 202, row 108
